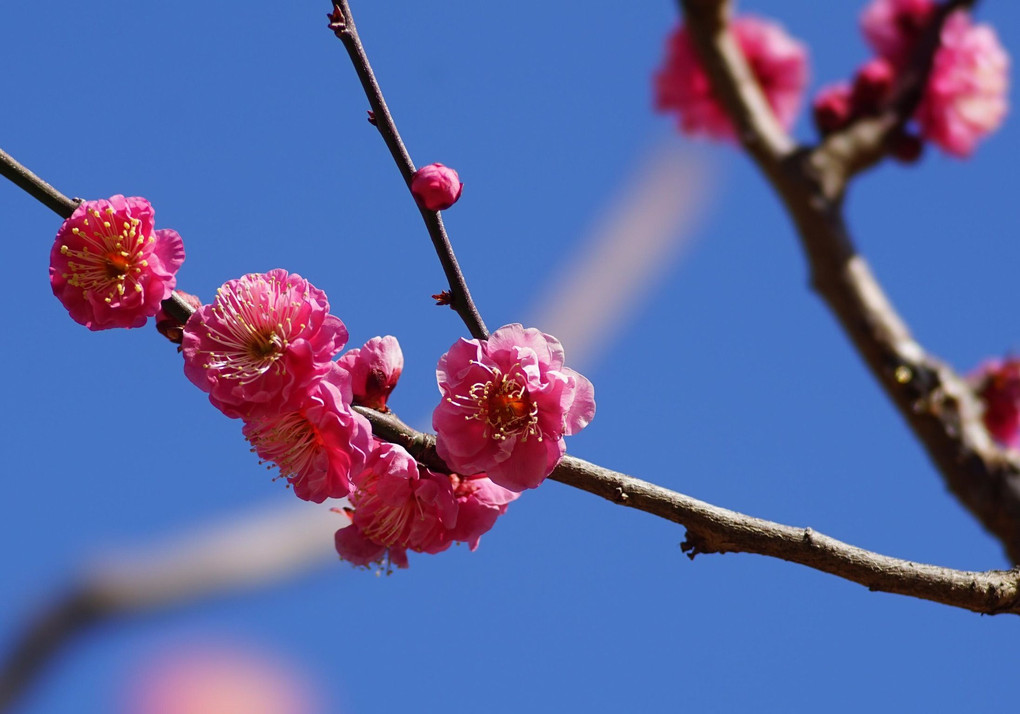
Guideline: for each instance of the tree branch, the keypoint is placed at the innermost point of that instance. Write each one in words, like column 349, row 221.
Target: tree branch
column 711, row 529
column 342, row 24
column 937, row 404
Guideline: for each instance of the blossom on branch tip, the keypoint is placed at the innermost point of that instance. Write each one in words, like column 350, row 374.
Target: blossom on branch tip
column 374, row 369
column 108, row 265
column 263, row 344
column 436, row 187
column 318, row 447
column 997, row 384
column 507, row 402
column 778, row 62
column 965, row 98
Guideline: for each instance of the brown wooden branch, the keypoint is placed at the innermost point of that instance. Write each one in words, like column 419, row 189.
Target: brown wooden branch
column 939, row 406
column 711, row 529
column 342, row 24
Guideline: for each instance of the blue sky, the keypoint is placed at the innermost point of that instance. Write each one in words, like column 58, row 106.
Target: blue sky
column 727, row 380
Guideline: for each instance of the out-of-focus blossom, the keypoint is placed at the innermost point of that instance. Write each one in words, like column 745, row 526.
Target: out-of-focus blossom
column 872, row 85
column 318, row 447
column 436, row 187
column 507, row 402
column 892, row 27
column 375, row 369
column 263, row 344
column 965, row 99
column 110, row 267
column 778, row 62
column 397, row 507
column 997, row 384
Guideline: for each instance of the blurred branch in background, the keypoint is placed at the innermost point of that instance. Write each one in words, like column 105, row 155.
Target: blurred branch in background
column 248, row 551
column 938, row 405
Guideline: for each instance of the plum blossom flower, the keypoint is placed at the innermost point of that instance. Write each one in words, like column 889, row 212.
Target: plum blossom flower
column 965, row 99
column 264, row 343
column 109, row 267
column 321, row 445
column 375, row 369
column 436, row 187
column 892, row 27
column 479, row 503
column 507, row 402
column 397, row 506
column 778, row 62
column 997, row 384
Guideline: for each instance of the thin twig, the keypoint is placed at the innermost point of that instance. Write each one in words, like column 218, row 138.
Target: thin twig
column 342, row 24
column 711, row 529
column 937, row 403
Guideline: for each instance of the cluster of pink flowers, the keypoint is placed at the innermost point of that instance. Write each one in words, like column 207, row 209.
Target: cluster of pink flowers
column 110, row 267
column 964, row 99
column 264, row 352
column 997, row 384
column 778, row 62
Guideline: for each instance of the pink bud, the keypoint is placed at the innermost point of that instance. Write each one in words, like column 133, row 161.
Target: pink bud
column 436, row 187
column 831, row 108
column 374, row 369
column 872, row 85
column 998, row 387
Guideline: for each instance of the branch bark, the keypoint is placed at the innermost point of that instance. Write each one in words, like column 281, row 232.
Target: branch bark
column 342, row 24
column 938, row 405
column 711, row 529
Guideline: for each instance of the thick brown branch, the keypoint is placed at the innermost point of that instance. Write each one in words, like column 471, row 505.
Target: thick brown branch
column 936, row 402
column 342, row 24
column 711, row 529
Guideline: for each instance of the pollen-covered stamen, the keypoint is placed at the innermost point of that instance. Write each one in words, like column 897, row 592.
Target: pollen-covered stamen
column 110, row 258
column 289, row 441
column 254, row 326
column 390, row 524
column 503, row 404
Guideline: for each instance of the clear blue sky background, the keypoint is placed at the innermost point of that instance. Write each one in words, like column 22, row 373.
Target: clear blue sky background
column 244, row 125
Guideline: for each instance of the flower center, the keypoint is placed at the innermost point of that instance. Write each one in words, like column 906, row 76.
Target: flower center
column 389, row 524
column 503, row 404
column 109, row 260
column 290, row 441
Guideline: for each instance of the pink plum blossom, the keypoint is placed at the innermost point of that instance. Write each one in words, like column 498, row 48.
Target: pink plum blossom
column 109, row 267
column 397, row 507
column 263, row 345
column 375, row 369
column 479, row 503
column 832, row 108
column 965, row 99
column 507, row 402
column 321, row 445
column 436, row 187
column 778, row 62
column 892, row 27
column 998, row 386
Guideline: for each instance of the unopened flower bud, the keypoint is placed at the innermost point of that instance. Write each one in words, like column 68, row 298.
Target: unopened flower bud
column 436, row 187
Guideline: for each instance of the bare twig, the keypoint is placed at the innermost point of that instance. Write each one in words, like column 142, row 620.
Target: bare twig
column 937, row 403
column 342, row 24
column 711, row 529
column 36, row 187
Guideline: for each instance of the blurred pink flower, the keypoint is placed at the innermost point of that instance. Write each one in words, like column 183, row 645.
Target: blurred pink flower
column 965, row 99
column 109, row 267
column 998, row 386
column 263, row 344
column 375, row 369
column 217, row 679
column 397, row 507
column 321, row 445
column 436, row 187
column 832, row 108
column 778, row 62
column 479, row 503
column 507, row 402
column 892, row 27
